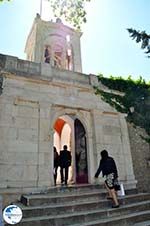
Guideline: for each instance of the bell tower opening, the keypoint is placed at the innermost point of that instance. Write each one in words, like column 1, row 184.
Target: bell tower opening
column 54, row 43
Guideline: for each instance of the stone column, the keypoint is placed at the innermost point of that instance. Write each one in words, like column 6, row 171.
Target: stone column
column 97, row 140
column 91, row 145
column 45, row 148
column 128, row 164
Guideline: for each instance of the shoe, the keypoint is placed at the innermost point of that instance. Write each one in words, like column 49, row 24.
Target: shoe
column 115, row 206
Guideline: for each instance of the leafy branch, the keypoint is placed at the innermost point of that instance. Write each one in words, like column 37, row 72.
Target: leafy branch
column 141, row 37
column 73, row 11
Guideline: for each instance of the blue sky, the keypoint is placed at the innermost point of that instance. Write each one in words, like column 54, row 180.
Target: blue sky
column 105, row 44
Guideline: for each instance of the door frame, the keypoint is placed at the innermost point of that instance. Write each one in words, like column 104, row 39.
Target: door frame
column 71, row 115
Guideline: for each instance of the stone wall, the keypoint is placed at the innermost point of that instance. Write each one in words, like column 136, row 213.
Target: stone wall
column 34, row 96
column 140, row 151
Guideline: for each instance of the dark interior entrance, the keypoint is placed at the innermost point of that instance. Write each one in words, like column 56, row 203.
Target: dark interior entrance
column 80, row 153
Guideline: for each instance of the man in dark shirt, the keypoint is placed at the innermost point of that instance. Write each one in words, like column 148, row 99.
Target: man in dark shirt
column 65, row 162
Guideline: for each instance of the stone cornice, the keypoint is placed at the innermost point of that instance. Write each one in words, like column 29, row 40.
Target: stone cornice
column 42, row 72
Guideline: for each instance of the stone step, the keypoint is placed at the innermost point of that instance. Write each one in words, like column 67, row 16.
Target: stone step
column 78, row 188
column 75, row 188
column 95, row 195
column 76, row 206
column 143, row 223
column 123, row 220
column 140, row 211
column 52, row 209
column 83, row 205
column 127, row 199
column 44, row 199
column 102, row 212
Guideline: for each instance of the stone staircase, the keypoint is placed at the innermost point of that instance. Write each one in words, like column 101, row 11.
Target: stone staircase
column 84, row 205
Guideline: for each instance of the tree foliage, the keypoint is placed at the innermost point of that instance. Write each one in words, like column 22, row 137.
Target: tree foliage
column 135, row 101
column 141, row 37
column 73, row 11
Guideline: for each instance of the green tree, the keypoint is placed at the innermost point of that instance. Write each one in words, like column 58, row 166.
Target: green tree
column 141, row 37
column 135, row 100
column 73, row 11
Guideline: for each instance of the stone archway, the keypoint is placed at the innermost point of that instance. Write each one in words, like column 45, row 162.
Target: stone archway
column 70, row 131
column 63, row 128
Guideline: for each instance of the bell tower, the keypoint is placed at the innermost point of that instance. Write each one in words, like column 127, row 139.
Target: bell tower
column 54, row 43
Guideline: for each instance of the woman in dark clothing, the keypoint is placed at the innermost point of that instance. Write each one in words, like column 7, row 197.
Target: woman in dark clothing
column 56, row 163
column 108, row 168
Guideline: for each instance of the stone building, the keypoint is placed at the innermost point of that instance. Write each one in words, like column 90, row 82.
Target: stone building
column 47, row 101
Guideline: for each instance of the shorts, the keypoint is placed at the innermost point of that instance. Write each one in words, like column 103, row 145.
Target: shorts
column 110, row 180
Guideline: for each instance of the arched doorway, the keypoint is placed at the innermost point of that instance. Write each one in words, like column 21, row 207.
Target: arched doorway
column 70, row 131
column 63, row 136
